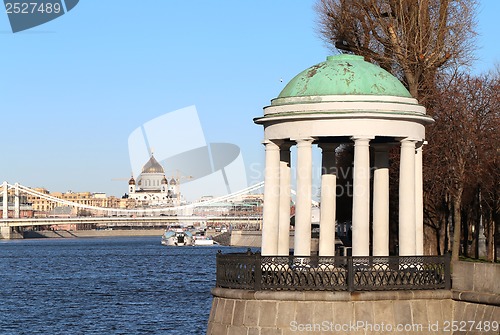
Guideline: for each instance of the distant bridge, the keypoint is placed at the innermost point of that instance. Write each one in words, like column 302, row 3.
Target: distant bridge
column 118, row 217
column 152, row 221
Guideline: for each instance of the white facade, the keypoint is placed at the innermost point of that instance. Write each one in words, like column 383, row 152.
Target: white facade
column 152, row 187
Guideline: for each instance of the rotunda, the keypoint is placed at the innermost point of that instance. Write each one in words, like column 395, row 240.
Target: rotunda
column 343, row 100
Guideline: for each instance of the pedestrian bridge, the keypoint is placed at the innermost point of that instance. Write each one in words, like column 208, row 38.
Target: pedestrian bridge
column 146, row 221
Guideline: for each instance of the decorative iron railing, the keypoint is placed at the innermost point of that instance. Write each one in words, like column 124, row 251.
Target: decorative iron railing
column 251, row 271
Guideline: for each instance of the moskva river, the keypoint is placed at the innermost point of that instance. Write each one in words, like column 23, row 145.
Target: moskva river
column 105, row 286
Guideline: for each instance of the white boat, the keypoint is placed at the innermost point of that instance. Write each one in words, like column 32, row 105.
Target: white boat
column 203, row 240
column 177, row 238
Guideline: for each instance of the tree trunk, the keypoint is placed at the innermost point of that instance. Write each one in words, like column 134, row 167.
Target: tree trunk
column 465, row 239
column 443, row 237
column 431, row 245
column 490, row 240
column 496, row 238
column 457, row 225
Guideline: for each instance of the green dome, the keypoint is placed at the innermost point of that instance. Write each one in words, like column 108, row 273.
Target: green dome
column 344, row 75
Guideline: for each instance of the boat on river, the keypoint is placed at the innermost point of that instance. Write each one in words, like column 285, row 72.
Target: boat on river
column 202, row 240
column 177, row 238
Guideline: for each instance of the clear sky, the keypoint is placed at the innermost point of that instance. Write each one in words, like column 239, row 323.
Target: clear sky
column 73, row 90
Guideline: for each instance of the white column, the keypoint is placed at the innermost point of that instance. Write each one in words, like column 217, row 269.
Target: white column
column 361, row 197
column 381, row 202
column 407, row 232
column 270, row 213
column 16, row 201
column 5, row 204
column 284, row 203
column 327, row 208
column 419, row 202
column 302, row 241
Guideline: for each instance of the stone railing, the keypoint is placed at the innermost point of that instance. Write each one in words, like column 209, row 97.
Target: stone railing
column 341, row 273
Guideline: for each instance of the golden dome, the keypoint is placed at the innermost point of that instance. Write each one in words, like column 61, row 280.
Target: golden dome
column 152, row 166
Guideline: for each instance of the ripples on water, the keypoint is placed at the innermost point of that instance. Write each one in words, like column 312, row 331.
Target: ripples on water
column 105, row 286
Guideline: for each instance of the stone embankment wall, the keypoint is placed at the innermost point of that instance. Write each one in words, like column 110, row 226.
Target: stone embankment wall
column 241, row 238
column 287, row 313
column 93, row 233
column 471, row 307
column 223, row 239
column 476, row 291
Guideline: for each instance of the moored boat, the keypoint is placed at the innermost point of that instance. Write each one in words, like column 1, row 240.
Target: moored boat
column 177, row 237
column 203, row 240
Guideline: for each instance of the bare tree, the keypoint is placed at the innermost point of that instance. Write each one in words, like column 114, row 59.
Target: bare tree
column 425, row 43
column 411, row 39
column 463, row 156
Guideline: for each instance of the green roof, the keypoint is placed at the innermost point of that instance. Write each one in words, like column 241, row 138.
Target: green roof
column 344, row 75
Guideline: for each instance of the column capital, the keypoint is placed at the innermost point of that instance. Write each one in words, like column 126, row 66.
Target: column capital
column 362, row 137
column 306, row 141
column 303, row 139
column 362, row 140
column 408, row 144
column 409, row 140
column 276, row 142
column 272, row 144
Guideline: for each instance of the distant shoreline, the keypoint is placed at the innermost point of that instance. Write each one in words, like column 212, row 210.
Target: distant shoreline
column 93, row 233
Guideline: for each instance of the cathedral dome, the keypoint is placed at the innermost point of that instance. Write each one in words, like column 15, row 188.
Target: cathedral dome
column 152, row 166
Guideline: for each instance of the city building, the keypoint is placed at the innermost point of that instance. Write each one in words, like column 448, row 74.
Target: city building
column 46, row 208
column 25, row 208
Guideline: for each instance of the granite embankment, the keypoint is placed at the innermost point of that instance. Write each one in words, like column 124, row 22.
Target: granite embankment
column 223, row 239
column 92, row 233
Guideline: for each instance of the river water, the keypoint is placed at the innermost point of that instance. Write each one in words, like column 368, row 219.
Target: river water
column 105, row 286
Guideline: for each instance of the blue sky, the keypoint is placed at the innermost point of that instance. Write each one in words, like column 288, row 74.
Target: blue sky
column 72, row 90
